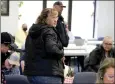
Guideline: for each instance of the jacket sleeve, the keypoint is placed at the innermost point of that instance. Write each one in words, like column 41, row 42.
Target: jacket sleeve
column 51, row 46
column 113, row 52
column 63, row 33
column 93, row 58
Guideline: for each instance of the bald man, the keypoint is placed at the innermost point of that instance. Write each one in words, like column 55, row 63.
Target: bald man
column 100, row 53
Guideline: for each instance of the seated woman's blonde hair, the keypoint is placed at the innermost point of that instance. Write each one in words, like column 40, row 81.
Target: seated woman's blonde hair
column 107, row 63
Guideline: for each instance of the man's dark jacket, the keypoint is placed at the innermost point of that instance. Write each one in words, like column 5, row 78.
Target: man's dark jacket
column 4, row 56
column 61, row 28
column 97, row 56
column 43, row 52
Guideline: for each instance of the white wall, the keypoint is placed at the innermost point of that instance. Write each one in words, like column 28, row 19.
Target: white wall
column 29, row 17
column 10, row 23
column 105, row 18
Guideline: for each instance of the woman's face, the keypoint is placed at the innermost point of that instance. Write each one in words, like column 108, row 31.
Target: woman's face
column 107, row 44
column 109, row 76
column 52, row 20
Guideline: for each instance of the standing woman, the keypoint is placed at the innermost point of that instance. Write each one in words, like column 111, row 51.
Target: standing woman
column 44, row 60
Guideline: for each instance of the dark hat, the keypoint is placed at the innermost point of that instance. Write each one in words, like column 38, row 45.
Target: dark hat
column 7, row 38
column 59, row 3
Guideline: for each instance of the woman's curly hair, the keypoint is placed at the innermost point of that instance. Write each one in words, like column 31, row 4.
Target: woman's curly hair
column 44, row 14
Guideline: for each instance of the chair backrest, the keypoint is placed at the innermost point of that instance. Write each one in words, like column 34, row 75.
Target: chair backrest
column 79, row 42
column 78, row 37
column 100, row 38
column 16, row 79
column 85, row 77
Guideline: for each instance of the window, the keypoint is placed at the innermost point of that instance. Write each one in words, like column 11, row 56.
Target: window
column 82, row 19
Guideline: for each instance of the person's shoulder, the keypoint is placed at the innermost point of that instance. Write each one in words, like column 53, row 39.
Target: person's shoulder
column 19, row 30
column 48, row 29
column 60, row 18
column 97, row 50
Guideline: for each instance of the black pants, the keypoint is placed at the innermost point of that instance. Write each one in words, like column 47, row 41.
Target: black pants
column 80, row 60
column 67, row 60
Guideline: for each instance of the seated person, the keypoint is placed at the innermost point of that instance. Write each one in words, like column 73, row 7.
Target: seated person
column 106, row 72
column 11, row 65
column 6, row 43
column 100, row 53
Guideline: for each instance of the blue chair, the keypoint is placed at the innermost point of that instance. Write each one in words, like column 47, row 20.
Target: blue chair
column 16, row 79
column 85, row 78
column 100, row 38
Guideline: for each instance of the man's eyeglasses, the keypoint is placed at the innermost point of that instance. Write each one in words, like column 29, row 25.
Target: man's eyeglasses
column 108, row 44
